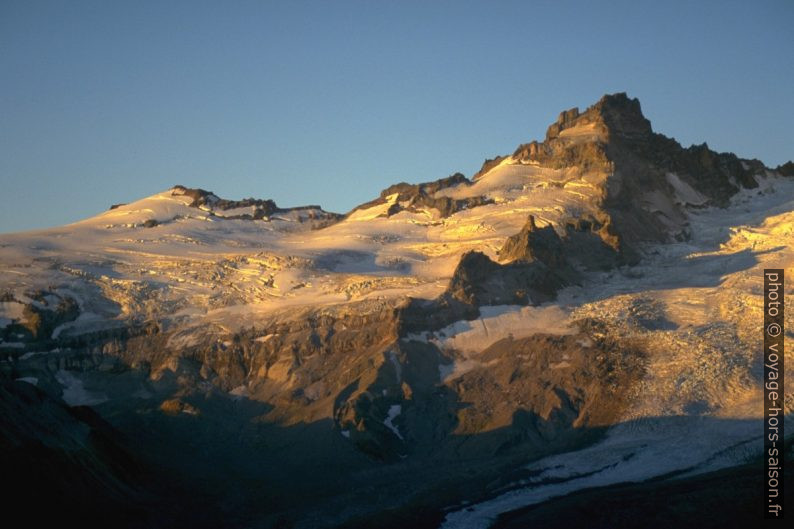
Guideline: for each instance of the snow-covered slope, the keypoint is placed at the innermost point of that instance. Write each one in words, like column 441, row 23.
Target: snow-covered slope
column 596, row 294
column 201, row 261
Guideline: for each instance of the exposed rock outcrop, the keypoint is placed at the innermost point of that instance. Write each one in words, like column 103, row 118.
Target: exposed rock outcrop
column 415, row 197
column 202, row 197
column 487, row 165
column 535, row 244
column 786, row 169
column 261, row 208
column 480, row 281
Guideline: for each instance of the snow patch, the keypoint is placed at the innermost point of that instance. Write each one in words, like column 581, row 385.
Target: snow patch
column 685, row 193
column 499, row 322
column 74, row 394
column 632, row 452
column 393, row 413
column 84, row 322
column 398, row 369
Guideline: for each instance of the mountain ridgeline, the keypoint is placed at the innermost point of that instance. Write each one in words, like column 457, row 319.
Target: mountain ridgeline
column 232, row 363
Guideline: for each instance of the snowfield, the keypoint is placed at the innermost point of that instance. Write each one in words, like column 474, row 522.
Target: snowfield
column 194, row 263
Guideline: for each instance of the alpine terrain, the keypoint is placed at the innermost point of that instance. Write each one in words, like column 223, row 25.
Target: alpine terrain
column 577, row 323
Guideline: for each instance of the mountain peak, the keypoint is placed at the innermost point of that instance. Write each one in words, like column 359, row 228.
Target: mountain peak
column 623, row 115
column 613, row 114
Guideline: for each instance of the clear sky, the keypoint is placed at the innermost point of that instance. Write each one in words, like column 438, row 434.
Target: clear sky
column 331, row 101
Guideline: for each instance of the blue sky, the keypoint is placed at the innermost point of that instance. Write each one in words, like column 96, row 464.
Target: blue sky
column 329, row 102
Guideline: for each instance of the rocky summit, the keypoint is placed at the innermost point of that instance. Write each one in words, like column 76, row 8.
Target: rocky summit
column 573, row 316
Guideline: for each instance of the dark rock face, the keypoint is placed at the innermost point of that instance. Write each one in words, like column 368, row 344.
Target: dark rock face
column 480, row 281
column 565, row 119
column 622, row 116
column 559, row 154
column 71, row 458
column 592, row 245
column 407, row 191
column 202, row 197
column 582, row 246
column 786, row 169
column 617, row 114
column 445, row 205
column 422, row 196
column 584, row 391
column 534, row 244
column 716, row 175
